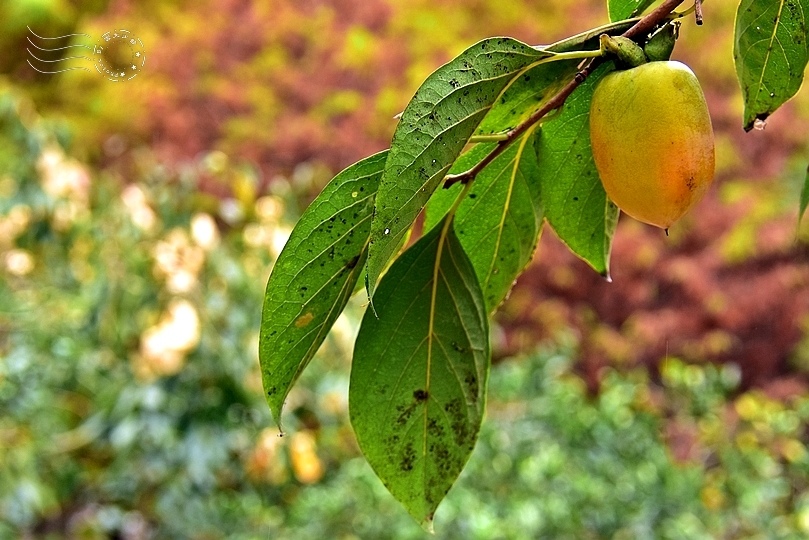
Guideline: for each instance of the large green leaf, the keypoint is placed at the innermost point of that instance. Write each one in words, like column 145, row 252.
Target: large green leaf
column 433, row 131
column 576, row 205
column 419, row 374
column 314, row 276
column 771, row 52
column 499, row 221
column 623, row 9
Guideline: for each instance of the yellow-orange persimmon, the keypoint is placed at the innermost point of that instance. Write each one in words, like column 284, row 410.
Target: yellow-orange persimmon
column 652, row 140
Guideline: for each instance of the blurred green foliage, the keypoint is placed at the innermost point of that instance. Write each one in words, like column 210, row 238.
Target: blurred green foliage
column 132, row 403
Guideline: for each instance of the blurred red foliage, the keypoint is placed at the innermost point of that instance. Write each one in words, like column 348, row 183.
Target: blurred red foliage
column 669, row 299
column 257, row 79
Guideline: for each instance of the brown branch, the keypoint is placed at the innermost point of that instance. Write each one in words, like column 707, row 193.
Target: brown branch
column 643, row 26
column 698, row 11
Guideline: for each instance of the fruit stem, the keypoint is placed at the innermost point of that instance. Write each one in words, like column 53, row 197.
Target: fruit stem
column 572, row 55
column 642, row 27
column 494, row 137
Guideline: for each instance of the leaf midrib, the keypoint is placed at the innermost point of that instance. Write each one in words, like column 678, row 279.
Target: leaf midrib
column 770, row 48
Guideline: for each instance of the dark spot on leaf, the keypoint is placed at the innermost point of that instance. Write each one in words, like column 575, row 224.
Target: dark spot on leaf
column 408, row 458
column 471, row 382
column 420, row 395
column 405, row 413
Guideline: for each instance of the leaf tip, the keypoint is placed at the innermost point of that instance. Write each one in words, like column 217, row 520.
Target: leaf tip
column 757, row 123
column 428, row 524
column 606, row 275
column 275, row 411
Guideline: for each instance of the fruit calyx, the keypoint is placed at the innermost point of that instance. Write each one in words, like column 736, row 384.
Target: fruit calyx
column 627, row 53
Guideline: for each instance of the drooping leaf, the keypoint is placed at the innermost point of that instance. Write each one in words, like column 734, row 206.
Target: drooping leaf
column 315, row 275
column 576, row 205
column 804, row 197
column 623, row 9
column 433, row 131
column 419, row 374
column 499, row 221
column 771, row 52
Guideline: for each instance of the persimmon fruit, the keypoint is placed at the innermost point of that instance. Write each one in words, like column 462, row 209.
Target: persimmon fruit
column 652, row 140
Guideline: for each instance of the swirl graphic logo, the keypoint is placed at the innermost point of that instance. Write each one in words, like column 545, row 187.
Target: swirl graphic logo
column 118, row 55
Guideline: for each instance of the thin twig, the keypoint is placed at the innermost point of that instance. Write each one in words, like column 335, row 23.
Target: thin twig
column 643, row 26
column 698, row 11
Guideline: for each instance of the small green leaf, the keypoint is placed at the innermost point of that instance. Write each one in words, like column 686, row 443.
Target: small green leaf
column 315, row 275
column 771, row 52
column 420, row 370
column 499, row 221
column 576, row 205
column 432, row 133
column 804, row 197
column 623, row 9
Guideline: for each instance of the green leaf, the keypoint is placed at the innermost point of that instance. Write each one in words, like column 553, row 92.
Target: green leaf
column 576, row 205
column 623, row 9
column 771, row 52
column 499, row 221
column 420, row 370
column 804, row 197
column 315, row 275
column 433, row 131
column 527, row 93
